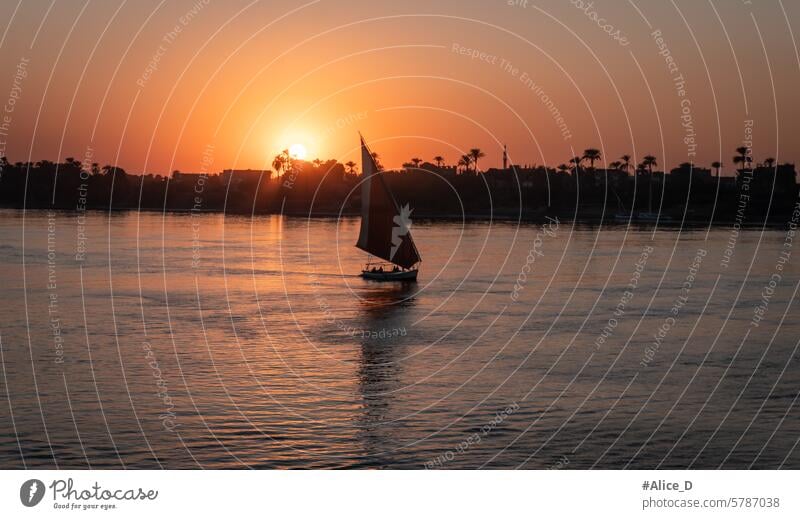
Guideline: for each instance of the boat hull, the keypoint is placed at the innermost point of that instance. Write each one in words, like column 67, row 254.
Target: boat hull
column 403, row 275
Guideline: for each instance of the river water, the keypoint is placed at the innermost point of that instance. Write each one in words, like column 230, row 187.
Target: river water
column 143, row 340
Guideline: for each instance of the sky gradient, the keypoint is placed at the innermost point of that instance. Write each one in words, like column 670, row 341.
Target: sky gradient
column 161, row 86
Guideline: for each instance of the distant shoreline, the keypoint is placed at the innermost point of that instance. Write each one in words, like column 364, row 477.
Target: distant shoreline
column 686, row 196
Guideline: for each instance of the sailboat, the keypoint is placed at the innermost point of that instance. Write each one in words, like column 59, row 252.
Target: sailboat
column 385, row 227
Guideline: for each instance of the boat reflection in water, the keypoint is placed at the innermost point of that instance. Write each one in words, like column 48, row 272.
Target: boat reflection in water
column 387, row 325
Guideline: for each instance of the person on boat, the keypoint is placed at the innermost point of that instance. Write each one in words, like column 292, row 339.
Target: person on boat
column 396, row 269
column 380, row 269
column 374, row 269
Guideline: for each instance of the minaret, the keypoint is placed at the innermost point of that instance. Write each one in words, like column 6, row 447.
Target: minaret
column 505, row 156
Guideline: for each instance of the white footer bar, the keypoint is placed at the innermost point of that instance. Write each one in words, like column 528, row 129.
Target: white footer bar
column 417, row 494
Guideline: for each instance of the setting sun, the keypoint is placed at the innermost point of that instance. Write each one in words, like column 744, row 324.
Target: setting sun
column 298, row 151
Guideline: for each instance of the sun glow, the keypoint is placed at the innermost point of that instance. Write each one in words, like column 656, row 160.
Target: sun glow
column 298, row 151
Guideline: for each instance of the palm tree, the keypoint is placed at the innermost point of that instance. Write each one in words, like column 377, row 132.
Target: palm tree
column 438, row 159
column 474, row 155
column 416, row 162
column 742, row 156
column 616, row 164
column 563, row 168
column 717, row 165
column 350, row 167
column 464, row 162
column 591, row 155
column 277, row 164
column 626, row 162
column 282, row 161
column 770, row 162
column 649, row 162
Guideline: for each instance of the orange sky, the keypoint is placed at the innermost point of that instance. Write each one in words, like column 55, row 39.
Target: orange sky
column 240, row 80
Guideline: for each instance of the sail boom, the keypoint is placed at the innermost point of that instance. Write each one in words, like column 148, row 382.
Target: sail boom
column 387, row 260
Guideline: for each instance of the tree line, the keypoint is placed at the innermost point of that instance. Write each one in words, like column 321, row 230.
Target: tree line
column 578, row 187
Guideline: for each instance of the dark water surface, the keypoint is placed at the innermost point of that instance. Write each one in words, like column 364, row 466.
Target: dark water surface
column 225, row 342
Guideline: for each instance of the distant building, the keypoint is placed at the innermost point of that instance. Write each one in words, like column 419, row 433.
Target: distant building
column 445, row 171
column 687, row 171
column 779, row 180
column 643, row 174
column 180, row 176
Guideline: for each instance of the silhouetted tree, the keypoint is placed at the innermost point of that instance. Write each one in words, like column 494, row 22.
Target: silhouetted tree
column 438, row 159
column 649, row 162
column 282, row 162
column 626, row 162
column 742, row 156
column 717, row 165
column 591, row 155
column 109, row 170
column 474, row 155
column 464, row 162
